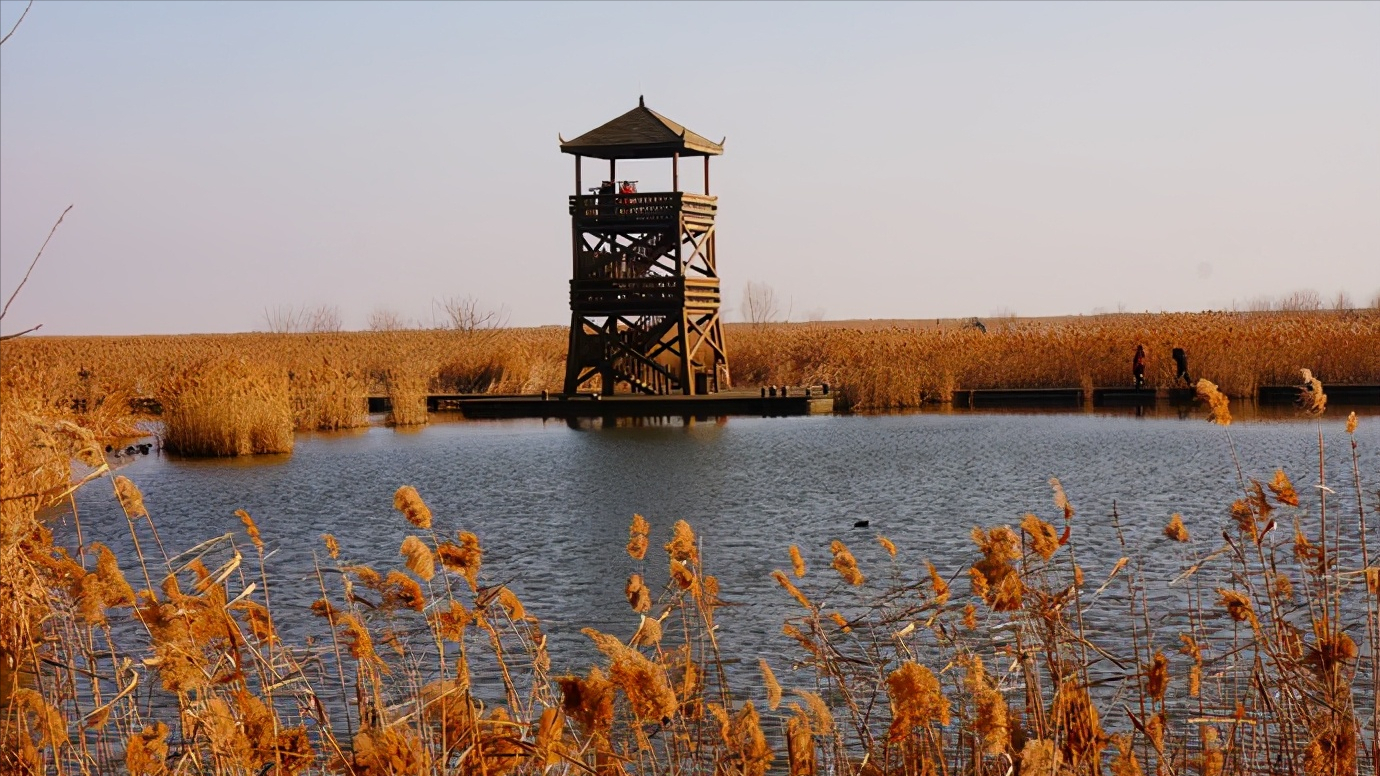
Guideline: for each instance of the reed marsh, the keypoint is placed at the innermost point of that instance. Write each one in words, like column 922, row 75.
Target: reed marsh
column 227, row 406
column 173, row 658
column 901, row 365
column 185, row 655
column 888, row 366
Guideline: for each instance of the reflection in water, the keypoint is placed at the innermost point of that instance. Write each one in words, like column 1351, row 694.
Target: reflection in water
column 551, row 502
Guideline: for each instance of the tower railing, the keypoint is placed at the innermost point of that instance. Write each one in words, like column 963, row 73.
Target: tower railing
column 649, row 208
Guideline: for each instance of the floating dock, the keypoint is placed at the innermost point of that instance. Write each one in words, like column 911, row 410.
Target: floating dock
column 1144, row 397
column 796, row 402
column 1019, row 397
column 1070, row 398
column 1074, row 398
column 1336, row 394
column 737, row 402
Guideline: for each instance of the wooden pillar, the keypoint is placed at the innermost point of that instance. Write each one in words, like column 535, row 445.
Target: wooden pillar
column 675, row 172
column 613, row 174
column 572, row 364
column 706, row 175
column 687, row 375
column 575, row 258
column 606, row 366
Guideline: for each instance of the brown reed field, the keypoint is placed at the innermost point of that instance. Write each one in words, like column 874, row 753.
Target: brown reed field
column 901, row 366
column 324, row 378
column 227, row 407
column 993, row 667
column 237, row 394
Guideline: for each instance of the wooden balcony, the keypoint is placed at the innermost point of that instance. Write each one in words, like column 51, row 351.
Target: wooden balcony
column 651, row 295
column 650, row 210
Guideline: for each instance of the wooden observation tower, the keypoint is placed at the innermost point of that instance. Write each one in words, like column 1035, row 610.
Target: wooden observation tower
column 644, row 290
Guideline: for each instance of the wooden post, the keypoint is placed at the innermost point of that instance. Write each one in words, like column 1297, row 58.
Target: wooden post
column 613, row 174
column 575, row 257
column 687, row 374
column 675, row 172
column 706, row 175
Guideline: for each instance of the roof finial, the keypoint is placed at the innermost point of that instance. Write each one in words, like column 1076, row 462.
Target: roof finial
column 640, row 102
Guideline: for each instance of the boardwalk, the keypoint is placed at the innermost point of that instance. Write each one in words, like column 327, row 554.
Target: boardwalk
column 1341, row 395
column 753, row 402
column 738, row 402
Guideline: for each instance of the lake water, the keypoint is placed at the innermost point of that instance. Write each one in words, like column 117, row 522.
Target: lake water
column 551, row 503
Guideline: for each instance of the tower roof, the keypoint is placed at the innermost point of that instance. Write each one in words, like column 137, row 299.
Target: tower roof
column 641, row 133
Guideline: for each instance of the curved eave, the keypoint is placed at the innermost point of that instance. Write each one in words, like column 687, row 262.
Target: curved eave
column 643, row 150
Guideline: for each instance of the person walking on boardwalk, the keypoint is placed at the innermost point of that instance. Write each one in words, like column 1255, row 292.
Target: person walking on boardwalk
column 1181, row 361
column 1138, row 367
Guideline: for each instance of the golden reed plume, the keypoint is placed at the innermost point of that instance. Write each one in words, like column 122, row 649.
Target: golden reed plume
column 1044, row 540
column 1217, row 401
column 420, row 560
column 916, row 699
column 845, row 564
column 638, row 595
column 887, row 545
column 407, row 501
column 638, row 534
column 1311, row 399
column 1175, row 529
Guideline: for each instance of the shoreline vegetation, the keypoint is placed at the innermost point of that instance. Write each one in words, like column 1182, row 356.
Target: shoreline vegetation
column 229, row 394
column 173, row 660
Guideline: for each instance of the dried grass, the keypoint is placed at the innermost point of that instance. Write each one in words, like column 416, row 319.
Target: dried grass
column 871, row 366
column 227, row 407
column 891, row 678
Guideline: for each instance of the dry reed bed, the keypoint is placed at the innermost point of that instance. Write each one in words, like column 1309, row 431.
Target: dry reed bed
column 874, row 368
column 899, row 367
column 983, row 669
column 507, row 360
column 226, row 394
column 227, row 407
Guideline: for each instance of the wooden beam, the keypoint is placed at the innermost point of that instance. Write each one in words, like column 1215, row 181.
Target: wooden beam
column 700, row 246
column 708, row 326
column 578, row 190
column 693, row 344
column 723, row 355
column 675, row 171
column 706, row 176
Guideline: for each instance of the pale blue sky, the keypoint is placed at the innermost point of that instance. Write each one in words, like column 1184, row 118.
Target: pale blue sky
column 883, row 161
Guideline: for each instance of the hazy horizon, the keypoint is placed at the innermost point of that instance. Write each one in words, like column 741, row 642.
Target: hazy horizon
column 883, row 161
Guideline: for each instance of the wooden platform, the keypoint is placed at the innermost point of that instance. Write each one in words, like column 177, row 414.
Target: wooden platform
column 751, row 402
column 1131, row 397
column 1367, row 395
column 1070, row 397
column 741, row 402
column 1336, row 394
column 1019, row 397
